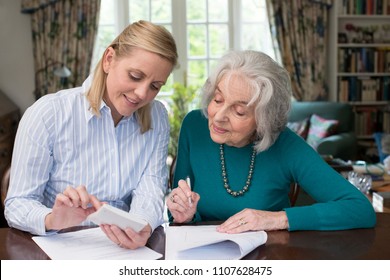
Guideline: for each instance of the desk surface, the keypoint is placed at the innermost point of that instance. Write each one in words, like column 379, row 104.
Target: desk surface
column 283, row 245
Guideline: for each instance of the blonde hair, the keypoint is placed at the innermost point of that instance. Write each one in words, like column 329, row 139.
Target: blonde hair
column 141, row 34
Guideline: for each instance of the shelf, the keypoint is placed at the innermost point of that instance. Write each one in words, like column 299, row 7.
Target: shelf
column 362, row 9
column 365, row 45
column 362, row 74
column 365, row 137
column 363, row 17
column 359, row 70
column 369, row 103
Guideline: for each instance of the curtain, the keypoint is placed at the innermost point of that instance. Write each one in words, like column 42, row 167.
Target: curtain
column 300, row 28
column 63, row 33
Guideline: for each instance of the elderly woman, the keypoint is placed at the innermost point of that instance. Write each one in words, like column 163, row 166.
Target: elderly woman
column 241, row 158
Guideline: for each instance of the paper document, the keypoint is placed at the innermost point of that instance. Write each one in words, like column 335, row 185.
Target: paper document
column 89, row 244
column 111, row 215
column 205, row 243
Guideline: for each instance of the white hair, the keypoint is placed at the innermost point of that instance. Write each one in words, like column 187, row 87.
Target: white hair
column 271, row 88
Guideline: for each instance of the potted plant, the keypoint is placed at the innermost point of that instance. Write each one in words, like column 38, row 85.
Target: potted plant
column 181, row 103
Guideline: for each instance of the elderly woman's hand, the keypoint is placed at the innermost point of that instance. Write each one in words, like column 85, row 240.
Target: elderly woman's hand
column 250, row 219
column 182, row 203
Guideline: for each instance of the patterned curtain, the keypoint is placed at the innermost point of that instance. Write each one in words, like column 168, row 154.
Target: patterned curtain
column 63, row 34
column 301, row 33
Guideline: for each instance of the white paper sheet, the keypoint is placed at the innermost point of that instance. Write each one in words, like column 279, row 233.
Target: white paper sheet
column 89, row 244
column 204, row 242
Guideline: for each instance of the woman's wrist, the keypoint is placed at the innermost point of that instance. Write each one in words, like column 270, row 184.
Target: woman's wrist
column 48, row 225
column 187, row 221
column 283, row 220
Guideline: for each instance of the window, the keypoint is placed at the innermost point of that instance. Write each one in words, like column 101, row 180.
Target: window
column 204, row 30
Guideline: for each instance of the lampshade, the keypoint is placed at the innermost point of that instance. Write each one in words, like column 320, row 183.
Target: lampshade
column 62, row 72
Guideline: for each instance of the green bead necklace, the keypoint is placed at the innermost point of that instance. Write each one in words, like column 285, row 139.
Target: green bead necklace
column 224, row 174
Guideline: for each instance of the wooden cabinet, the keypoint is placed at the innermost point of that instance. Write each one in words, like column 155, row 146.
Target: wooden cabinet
column 9, row 119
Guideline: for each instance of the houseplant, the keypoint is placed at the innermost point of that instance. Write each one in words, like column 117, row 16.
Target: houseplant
column 181, row 102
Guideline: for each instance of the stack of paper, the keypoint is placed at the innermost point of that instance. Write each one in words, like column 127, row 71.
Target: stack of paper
column 89, row 244
column 204, row 242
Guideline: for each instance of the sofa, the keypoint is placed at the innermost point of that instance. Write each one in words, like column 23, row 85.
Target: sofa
column 309, row 120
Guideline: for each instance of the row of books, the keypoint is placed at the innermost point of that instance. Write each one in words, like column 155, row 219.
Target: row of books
column 364, row 89
column 361, row 60
column 369, row 120
column 364, row 7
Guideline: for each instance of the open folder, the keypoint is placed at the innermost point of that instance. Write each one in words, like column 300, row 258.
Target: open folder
column 204, row 242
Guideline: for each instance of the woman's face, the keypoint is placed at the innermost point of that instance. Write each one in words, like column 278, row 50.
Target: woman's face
column 133, row 81
column 231, row 120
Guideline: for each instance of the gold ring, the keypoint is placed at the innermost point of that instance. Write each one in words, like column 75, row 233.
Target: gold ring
column 172, row 198
column 241, row 222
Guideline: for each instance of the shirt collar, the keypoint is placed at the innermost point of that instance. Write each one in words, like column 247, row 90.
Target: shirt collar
column 87, row 107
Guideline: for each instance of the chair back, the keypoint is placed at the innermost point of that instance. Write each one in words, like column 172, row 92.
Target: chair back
column 5, row 184
column 293, row 194
column 171, row 173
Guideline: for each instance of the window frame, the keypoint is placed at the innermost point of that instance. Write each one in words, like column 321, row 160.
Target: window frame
column 179, row 30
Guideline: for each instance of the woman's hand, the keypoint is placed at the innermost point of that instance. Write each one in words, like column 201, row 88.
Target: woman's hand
column 250, row 219
column 71, row 208
column 182, row 203
column 127, row 238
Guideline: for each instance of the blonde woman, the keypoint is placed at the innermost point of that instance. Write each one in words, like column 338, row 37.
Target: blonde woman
column 105, row 141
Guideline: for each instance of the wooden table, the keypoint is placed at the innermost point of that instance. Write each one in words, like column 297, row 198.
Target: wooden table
column 366, row 244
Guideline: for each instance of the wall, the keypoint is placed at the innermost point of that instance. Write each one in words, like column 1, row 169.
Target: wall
column 16, row 54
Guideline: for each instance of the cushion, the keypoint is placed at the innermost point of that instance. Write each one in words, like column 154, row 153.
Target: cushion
column 301, row 127
column 320, row 128
column 382, row 141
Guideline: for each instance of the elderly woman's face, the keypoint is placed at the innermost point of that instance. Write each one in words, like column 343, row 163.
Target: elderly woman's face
column 231, row 120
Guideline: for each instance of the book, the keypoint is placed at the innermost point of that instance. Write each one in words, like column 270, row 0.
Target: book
column 205, row 242
column 380, row 200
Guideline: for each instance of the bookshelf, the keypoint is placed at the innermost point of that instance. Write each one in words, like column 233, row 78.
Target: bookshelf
column 360, row 73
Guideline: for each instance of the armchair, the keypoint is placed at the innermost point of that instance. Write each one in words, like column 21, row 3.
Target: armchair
column 343, row 143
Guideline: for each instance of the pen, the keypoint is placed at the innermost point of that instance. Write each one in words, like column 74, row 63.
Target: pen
column 188, row 181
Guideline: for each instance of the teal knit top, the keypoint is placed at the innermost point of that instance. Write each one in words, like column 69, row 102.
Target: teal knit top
column 290, row 159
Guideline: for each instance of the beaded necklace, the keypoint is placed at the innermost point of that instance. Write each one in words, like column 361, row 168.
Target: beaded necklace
column 224, row 174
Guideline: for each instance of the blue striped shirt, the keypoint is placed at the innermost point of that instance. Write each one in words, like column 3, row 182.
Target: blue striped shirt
column 60, row 143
